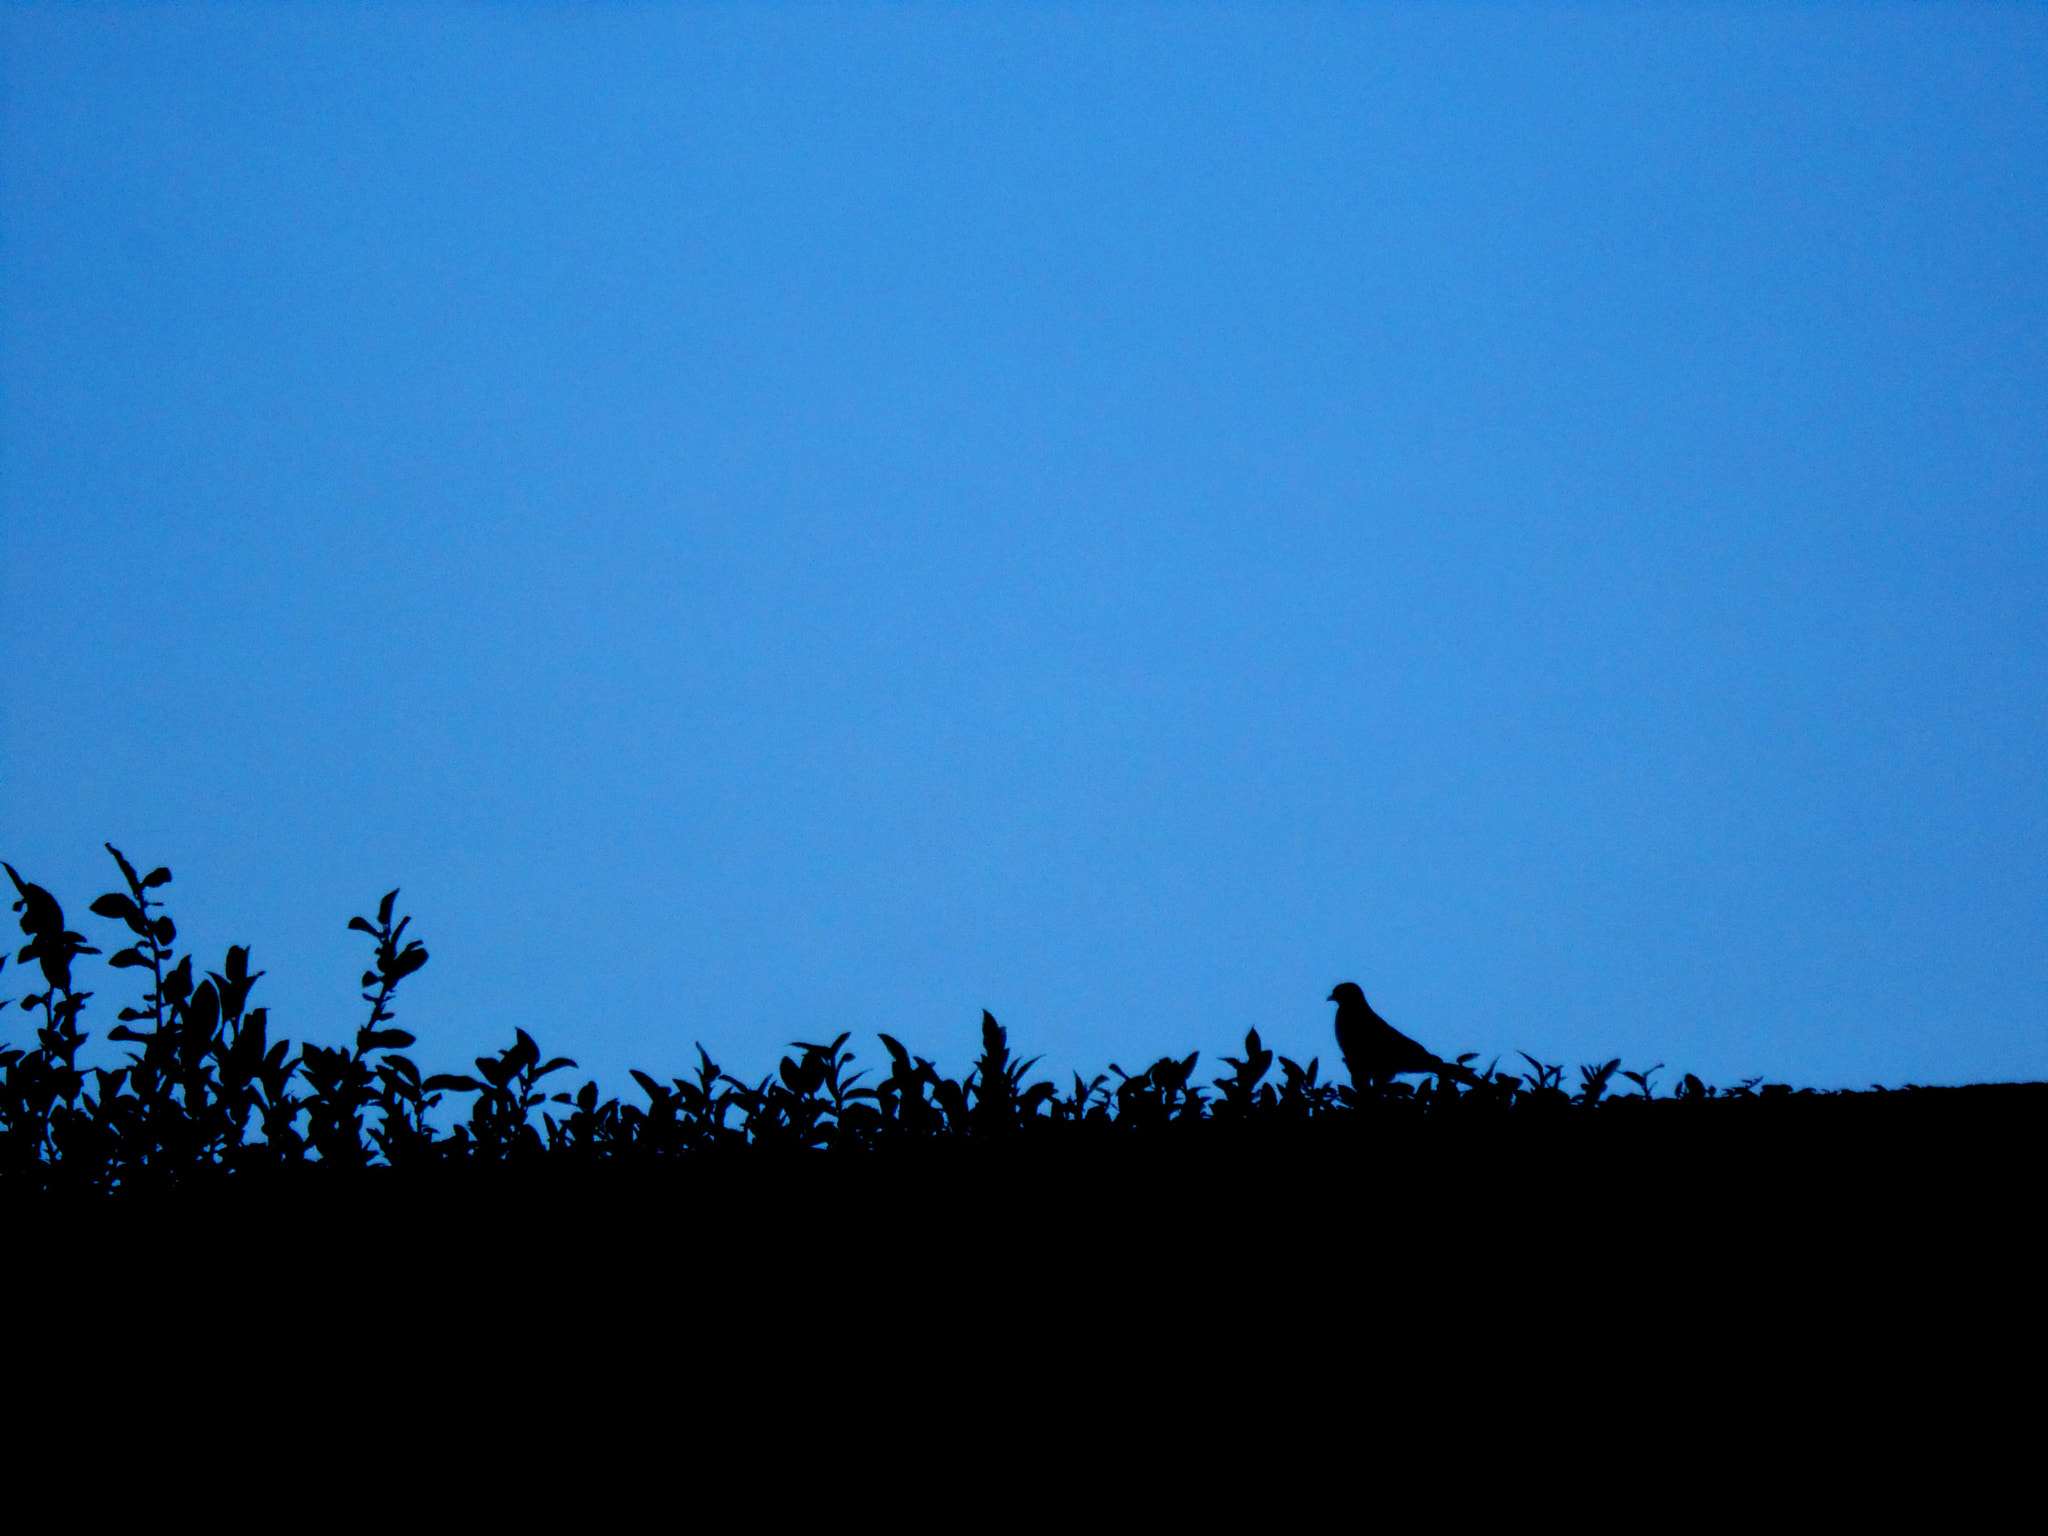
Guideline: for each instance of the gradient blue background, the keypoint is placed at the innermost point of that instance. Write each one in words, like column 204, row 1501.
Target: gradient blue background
column 767, row 521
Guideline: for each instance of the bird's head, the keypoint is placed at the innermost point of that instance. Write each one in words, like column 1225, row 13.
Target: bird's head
column 1347, row 993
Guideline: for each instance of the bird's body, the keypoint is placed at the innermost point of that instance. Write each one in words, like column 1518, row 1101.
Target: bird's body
column 1373, row 1049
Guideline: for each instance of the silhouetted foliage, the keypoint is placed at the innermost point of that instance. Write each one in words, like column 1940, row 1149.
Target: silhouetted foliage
column 206, row 1093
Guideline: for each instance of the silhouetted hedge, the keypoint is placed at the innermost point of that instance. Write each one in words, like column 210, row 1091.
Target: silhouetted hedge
column 206, row 1096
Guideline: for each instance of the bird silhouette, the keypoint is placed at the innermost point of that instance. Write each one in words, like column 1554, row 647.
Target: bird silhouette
column 1374, row 1050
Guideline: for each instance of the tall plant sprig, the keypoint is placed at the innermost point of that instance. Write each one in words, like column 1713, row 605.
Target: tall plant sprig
column 155, row 935
column 254, row 1071
column 1242, row 1094
column 41, row 1128
column 146, row 1119
column 402, row 1132
column 346, row 1083
column 1001, row 1101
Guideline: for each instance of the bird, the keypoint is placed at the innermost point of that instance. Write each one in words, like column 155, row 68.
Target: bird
column 1374, row 1050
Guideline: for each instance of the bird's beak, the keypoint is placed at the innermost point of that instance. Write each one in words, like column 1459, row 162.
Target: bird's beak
column 1331, row 998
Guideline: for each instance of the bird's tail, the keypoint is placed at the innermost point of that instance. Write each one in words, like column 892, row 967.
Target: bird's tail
column 1458, row 1071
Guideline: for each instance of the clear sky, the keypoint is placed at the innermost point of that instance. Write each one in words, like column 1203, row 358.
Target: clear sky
column 768, row 520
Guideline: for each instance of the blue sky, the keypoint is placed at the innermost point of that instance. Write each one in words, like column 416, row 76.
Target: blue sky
column 768, row 520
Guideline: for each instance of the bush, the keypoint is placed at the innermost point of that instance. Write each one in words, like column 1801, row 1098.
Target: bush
column 205, row 1094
